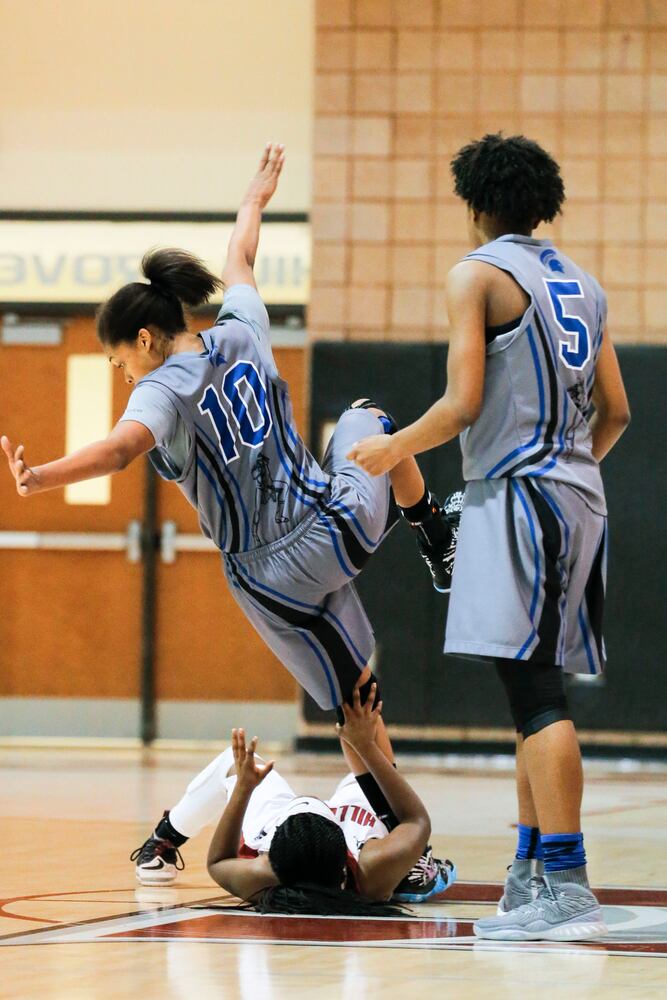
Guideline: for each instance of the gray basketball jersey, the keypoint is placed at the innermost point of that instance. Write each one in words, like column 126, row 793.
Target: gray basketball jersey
column 224, row 431
column 539, row 377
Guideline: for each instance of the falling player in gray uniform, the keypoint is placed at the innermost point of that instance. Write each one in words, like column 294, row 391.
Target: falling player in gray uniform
column 529, row 356
column 215, row 417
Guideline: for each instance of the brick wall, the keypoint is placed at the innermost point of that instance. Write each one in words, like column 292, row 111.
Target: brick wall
column 400, row 85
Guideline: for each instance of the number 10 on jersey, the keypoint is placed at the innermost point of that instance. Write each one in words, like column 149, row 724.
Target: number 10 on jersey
column 245, row 394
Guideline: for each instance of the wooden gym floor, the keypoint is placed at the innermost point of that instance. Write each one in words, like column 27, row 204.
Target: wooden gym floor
column 70, row 819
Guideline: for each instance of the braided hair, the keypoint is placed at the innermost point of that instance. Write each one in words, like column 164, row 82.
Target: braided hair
column 309, row 855
column 177, row 278
column 512, row 179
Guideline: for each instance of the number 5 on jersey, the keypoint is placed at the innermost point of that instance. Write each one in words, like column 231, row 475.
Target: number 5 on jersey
column 245, row 394
column 575, row 351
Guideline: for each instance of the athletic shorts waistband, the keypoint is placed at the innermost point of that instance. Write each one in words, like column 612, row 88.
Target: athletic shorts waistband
column 253, row 555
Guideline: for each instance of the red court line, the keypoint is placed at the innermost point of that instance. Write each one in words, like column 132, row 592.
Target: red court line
column 304, row 929
column 460, row 892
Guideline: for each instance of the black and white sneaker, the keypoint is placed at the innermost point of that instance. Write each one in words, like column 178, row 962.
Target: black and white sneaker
column 427, row 881
column 157, row 862
column 439, row 555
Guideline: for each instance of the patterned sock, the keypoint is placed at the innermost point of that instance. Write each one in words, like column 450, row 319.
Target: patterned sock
column 563, row 851
column 529, row 844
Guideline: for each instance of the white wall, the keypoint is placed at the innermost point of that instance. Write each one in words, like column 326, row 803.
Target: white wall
column 152, row 104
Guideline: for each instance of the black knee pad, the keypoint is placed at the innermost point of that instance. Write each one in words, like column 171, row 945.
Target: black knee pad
column 364, row 692
column 387, row 421
column 536, row 694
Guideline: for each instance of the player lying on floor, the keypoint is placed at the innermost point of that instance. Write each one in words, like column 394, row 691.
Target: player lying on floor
column 287, row 853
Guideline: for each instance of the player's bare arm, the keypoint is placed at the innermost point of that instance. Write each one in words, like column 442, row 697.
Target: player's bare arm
column 384, row 862
column 238, row 269
column 468, row 286
column 612, row 410
column 127, row 441
column 243, row 878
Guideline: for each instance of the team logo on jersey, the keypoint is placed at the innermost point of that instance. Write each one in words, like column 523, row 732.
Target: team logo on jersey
column 550, row 260
column 215, row 357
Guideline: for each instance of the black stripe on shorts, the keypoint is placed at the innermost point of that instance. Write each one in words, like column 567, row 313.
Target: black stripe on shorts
column 548, row 628
column 594, row 596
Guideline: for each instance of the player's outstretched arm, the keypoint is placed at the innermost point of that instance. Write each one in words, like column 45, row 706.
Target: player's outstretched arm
column 127, row 440
column 462, row 401
column 612, row 410
column 241, row 877
column 384, row 862
column 238, row 269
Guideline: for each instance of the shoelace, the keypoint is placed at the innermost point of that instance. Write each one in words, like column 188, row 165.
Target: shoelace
column 424, row 871
column 154, row 847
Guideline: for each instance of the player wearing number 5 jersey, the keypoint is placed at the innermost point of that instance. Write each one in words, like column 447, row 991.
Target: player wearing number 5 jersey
column 529, row 355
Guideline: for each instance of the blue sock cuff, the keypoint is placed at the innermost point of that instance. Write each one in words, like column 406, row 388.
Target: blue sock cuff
column 529, row 844
column 563, row 851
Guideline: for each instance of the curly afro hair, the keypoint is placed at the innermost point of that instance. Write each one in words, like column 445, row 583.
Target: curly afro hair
column 512, row 179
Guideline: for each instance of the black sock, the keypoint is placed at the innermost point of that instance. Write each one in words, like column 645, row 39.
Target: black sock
column 426, row 518
column 377, row 800
column 165, row 831
column 419, row 511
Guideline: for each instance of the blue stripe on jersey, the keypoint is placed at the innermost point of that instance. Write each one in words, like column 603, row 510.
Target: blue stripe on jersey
column 302, row 604
column 295, row 440
column 566, row 534
column 538, row 426
column 597, row 346
column 561, row 433
column 202, row 467
column 311, row 504
column 587, row 645
column 536, row 582
column 230, row 475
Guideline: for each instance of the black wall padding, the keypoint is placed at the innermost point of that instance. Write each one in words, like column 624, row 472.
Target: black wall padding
column 420, row 686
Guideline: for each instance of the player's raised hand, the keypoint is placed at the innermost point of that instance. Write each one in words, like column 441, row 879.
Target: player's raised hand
column 250, row 772
column 375, row 455
column 265, row 181
column 361, row 721
column 26, row 480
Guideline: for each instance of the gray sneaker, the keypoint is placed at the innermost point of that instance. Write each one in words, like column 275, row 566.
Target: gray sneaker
column 517, row 891
column 519, row 886
column 562, row 912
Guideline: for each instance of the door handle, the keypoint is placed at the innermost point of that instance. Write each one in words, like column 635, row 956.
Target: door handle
column 78, row 541
column 172, row 542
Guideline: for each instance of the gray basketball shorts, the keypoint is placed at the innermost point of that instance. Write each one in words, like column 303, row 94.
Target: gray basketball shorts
column 529, row 575
column 299, row 593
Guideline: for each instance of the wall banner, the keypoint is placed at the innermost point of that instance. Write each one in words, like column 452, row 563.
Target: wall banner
column 83, row 261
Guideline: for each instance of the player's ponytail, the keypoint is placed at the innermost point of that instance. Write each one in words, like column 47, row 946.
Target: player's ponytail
column 176, row 278
column 309, row 855
column 180, row 274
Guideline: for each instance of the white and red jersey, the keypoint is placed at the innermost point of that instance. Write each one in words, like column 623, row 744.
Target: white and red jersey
column 274, row 800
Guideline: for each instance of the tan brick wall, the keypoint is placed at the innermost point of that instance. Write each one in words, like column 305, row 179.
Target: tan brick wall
column 400, row 85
